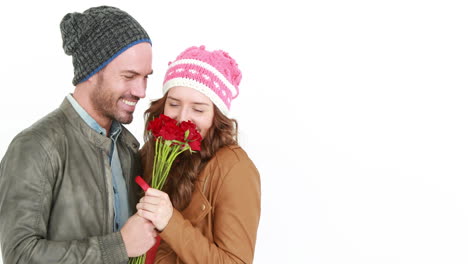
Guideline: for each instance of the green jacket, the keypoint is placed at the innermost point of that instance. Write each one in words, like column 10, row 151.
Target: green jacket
column 56, row 196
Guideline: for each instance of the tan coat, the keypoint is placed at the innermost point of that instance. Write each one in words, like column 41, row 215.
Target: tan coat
column 220, row 224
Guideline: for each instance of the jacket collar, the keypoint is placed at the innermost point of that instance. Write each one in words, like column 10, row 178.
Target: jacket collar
column 115, row 128
column 92, row 135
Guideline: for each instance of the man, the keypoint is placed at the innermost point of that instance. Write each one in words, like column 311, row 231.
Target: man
column 67, row 193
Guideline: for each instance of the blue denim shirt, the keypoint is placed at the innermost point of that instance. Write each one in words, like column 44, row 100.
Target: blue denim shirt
column 121, row 208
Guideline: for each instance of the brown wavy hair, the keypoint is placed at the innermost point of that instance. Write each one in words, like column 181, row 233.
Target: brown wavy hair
column 184, row 172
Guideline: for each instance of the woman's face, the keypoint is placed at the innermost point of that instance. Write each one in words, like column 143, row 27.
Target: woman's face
column 184, row 104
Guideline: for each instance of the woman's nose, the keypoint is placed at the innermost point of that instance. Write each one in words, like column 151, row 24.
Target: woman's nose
column 183, row 115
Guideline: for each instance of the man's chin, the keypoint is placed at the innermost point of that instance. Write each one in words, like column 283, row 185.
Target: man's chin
column 125, row 119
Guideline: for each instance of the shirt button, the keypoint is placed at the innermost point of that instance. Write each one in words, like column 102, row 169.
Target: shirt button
column 203, row 207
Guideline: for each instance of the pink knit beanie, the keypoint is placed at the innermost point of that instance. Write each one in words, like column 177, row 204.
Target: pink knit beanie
column 213, row 73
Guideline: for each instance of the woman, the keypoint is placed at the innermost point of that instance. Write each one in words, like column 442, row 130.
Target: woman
column 209, row 209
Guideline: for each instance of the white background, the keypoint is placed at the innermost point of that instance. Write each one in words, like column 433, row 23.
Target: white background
column 355, row 113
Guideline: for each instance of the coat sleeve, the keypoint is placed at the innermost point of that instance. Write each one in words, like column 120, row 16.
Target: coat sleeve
column 27, row 178
column 236, row 219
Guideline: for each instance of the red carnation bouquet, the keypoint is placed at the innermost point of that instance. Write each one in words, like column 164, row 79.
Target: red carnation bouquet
column 171, row 139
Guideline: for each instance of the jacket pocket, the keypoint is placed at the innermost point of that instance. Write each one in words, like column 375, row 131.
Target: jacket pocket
column 198, row 208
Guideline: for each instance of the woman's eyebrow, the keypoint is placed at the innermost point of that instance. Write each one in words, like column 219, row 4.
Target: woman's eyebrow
column 172, row 98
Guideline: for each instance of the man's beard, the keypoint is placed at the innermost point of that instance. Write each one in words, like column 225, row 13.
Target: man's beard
column 105, row 103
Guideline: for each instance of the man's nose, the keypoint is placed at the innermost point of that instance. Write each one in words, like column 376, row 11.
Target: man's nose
column 139, row 90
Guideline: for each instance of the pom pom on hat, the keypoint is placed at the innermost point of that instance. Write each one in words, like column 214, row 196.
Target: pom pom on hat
column 213, row 73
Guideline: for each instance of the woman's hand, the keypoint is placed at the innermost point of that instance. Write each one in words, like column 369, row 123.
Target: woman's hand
column 156, row 207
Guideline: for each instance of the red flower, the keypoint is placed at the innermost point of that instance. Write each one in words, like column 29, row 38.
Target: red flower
column 195, row 145
column 155, row 126
column 184, row 134
column 171, row 131
column 191, row 135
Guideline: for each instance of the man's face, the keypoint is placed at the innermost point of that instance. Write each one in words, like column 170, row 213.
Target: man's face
column 118, row 87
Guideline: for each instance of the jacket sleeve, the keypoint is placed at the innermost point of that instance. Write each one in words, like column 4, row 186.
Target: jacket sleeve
column 236, row 218
column 27, row 178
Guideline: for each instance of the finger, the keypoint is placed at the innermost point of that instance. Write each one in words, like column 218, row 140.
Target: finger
column 155, row 192
column 145, row 214
column 140, row 219
column 148, row 207
column 151, row 199
column 159, row 205
column 151, row 217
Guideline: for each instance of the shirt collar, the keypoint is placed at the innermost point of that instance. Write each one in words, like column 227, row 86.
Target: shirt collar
column 115, row 128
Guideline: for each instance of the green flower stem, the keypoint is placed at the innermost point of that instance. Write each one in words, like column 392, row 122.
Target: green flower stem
column 138, row 260
column 167, row 165
column 154, row 160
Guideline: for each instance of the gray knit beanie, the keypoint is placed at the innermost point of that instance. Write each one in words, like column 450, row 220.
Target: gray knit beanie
column 97, row 36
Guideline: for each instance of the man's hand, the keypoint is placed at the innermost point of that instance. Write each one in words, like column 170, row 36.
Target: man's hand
column 138, row 235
